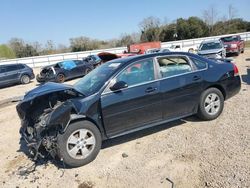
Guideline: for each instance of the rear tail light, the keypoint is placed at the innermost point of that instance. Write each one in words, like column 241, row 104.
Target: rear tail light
column 236, row 71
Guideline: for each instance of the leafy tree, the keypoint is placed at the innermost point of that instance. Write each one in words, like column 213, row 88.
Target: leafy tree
column 6, row 52
column 168, row 32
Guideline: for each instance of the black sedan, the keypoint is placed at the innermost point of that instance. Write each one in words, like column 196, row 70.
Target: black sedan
column 64, row 70
column 120, row 97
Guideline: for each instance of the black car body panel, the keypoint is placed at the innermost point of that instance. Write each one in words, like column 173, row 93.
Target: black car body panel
column 70, row 69
column 49, row 109
column 12, row 73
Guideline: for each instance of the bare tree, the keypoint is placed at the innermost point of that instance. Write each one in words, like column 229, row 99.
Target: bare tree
column 210, row 17
column 149, row 23
column 232, row 12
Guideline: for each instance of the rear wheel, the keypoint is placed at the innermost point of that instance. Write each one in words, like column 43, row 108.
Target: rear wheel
column 211, row 104
column 60, row 78
column 25, row 79
column 79, row 144
column 238, row 53
column 87, row 71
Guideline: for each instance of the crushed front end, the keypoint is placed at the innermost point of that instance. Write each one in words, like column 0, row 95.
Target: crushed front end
column 43, row 116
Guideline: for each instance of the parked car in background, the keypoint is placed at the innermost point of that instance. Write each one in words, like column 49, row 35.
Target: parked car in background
column 15, row 73
column 164, row 50
column 212, row 49
column 152, row 50
column 95, row 60
column 180, row 48
column 64, row 70
column 141, row 48
column 233, row 44
column 103, row 57
column 122, row 96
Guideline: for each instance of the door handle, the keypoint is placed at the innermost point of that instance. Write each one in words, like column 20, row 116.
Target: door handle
column 196, row 78
column 150, row 90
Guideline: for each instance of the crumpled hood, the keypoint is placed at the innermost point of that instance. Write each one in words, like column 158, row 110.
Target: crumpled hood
column 46, row 88
column 214, row 51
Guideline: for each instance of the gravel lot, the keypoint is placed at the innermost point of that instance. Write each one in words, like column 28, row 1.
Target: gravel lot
column 188, row 152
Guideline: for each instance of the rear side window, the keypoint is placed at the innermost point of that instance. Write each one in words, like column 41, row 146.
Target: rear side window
column 20, row 66
column 11, row 68
column 199, row 64
column 172, row 66
column 78, row 62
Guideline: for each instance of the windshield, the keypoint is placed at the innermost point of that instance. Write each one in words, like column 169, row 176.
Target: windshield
column 229, row 39
column 92, row 82
column 211, row 46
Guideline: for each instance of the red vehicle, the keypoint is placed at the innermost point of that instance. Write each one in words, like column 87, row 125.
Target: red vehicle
column 142, row 47
column 234, row 44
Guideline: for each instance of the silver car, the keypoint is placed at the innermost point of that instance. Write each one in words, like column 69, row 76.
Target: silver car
column 213, row 49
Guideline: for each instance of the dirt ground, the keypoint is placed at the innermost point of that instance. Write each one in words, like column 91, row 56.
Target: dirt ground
column 188, row 152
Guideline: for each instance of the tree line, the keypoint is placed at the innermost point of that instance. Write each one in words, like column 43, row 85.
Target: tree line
column 151, row 29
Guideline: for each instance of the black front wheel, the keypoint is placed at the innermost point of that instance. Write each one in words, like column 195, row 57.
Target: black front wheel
column 60, row 78
column 79, row 144
column 211, row 104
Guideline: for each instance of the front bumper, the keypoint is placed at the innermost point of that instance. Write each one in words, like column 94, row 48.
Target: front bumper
column 42, row 79
column 232, row 50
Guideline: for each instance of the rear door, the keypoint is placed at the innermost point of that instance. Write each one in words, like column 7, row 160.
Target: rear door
column 181, row 85
column 135, row 106
column 3, row 75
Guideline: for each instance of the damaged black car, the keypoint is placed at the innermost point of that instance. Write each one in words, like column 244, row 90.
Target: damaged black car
column 122, row 96
column 64, row 70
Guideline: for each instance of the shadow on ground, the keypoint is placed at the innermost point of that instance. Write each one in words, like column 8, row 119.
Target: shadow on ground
column 108, row 143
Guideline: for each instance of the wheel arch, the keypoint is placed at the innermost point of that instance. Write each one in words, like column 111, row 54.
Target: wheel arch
column 219, row 87
column 78, row 118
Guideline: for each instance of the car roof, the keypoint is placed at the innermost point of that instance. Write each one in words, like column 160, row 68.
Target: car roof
column 127, row 60
column 5, row 65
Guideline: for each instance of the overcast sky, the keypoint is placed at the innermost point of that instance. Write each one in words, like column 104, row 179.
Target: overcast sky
column 59, row 20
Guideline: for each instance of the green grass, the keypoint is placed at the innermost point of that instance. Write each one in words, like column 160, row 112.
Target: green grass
column 247, row 44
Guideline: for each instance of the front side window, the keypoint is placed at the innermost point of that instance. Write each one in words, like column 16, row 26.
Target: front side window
column 172, row 66
column 137, row 73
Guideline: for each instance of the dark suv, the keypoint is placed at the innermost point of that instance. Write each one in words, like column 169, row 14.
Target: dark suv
column 15, row 73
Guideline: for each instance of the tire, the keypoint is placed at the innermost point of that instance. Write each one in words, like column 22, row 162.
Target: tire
column 242, row 51
column 60, row 78
column 74, row 140
column 25, row 79
column 87, row 71
column 238, row 53
column 211, row 104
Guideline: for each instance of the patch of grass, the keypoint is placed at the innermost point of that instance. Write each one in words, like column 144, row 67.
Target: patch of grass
column 247, row 44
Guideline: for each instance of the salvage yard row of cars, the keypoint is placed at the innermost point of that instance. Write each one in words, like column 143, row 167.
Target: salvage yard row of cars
column 70, row 69
column 117, row 96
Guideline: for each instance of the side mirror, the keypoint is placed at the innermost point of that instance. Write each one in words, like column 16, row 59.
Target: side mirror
column 118, row 86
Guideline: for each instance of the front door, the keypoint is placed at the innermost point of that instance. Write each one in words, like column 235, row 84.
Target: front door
column 135, row 106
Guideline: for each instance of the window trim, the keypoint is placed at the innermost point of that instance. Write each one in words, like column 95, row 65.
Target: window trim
column 107, row 90
column 157, row 73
